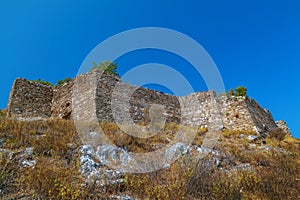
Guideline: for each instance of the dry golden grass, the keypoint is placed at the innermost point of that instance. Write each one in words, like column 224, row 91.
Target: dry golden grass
column 52, row 179
column 134, row 144
column 273, row 174
column 237, row 133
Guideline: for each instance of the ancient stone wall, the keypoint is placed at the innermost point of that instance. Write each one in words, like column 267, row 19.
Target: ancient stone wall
column 283, row 125
column 200, row 106
column 62, row 101
column 235, row 113
column 101, row 96
column 243, row 113
column 139, row 102
column 262, row 118
column 30, row 100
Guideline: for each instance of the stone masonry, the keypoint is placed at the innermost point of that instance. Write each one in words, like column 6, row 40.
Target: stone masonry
column 36, row 101
column 30, row 100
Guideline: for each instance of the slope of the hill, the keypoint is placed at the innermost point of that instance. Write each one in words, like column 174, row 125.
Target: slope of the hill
column 44, row 160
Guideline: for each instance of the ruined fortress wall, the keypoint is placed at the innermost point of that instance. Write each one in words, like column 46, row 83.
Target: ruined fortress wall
column 200, row 106
column 30, row 100
column 95, row 94
column 235, row 113
column 84, row 97
column 137, row 104
column 62, row 101
column 262, row 118
column 243, row 113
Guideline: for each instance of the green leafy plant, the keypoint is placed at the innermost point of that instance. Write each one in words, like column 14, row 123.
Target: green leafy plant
column 42, row 82
column 107, row 66
column 241, row 91
column 231, row 92
column 61, row 82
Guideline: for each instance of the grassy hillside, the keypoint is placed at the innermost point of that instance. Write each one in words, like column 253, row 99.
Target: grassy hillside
column 40, row 160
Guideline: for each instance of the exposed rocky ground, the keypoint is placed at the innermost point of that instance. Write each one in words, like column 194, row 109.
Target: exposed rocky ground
column 47, row 160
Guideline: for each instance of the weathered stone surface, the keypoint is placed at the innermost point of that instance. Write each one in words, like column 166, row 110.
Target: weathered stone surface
column 96, row 172
column 251, row 137
column 87, row 164
column 30, row 100
column 283, row 125
column 175, row 151
column 97, row 97
column 109, row 155
column 62, row 101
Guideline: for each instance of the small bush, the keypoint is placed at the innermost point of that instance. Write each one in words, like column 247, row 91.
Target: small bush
column 241, row 91
column 61, row 82
column 42, row 82
column 107, row 66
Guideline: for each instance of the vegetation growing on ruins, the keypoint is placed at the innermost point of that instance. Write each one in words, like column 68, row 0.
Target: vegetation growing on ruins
column 61, row 82
column 107, row 66
column 41, row 81
column 239, row 91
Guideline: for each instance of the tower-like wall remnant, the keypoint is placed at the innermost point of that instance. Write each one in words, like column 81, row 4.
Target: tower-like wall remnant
column 34, row 100
column 30, row 100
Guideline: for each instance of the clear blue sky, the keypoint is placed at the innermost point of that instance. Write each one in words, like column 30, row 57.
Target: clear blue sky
column 253, row 43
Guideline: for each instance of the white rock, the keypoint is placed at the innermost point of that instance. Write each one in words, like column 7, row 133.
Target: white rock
column 175, row 151
column 251, row 137
column 27, row 163
column 29, row 151
column 256, row 129
column 112, row 155
column 87, row 150
column 88, row 165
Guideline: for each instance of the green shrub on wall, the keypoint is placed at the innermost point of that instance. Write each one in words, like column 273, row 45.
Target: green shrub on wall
column 241, row 91
column 107, row 66
column 231, row 92
column 61, row 82
column 42, row 82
